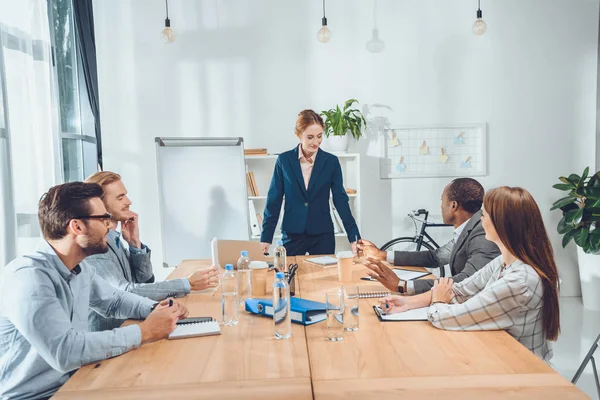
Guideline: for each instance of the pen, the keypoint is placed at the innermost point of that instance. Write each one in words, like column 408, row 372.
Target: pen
column 170, row 302
column 357, row 250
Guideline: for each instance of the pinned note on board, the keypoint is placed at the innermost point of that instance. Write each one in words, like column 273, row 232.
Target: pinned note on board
column 459, row 139
column 394, row 142
column 466, row 163
column 424, row 149
column 400, row 167
column 443, row 156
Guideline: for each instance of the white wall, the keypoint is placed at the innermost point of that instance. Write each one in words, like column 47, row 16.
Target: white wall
column 245, row 68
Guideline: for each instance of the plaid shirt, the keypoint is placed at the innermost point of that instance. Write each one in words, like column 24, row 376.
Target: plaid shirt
column 498, row 297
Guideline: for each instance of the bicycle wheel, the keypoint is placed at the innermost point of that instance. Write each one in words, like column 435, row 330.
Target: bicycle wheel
column 405, row 244
column 410, row 244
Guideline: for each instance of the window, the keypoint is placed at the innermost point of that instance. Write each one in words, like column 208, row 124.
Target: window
column 79, row 153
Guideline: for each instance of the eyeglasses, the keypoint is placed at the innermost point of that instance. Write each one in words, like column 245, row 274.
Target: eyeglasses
column 103, row 216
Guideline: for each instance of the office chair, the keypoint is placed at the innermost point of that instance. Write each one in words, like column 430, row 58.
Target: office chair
column 589, row 357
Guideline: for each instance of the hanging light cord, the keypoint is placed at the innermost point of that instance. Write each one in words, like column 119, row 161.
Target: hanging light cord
column 323, row 8
column 167, row 7
column 478, row 4
column 375, row 14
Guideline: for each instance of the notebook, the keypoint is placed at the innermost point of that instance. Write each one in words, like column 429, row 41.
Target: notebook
column 323, row 261
column 404, row 274
column 373, row 295
column 418, row 314
column 192, row 327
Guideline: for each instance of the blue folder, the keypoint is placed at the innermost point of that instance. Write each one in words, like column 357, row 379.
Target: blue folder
column 303, row 311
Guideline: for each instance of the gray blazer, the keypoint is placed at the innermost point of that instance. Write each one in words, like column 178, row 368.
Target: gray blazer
column 127, row 270
column 471, row 252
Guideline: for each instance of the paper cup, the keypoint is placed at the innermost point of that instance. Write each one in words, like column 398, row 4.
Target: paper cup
column 344, row 261
column 258, row 277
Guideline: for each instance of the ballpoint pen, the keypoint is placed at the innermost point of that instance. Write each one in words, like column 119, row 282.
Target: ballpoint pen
column 357, row 250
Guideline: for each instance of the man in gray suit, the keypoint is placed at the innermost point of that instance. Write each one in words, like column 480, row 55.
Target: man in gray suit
column 467, row 252
column 127, row 264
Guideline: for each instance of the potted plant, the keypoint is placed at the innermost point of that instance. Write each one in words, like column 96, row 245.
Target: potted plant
column 339, row 122
column 581, row 223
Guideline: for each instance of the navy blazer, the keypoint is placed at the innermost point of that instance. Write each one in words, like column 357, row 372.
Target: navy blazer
column 307, row 211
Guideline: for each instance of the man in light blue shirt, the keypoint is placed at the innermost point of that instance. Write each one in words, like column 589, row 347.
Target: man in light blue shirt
column 46, row 297
column 127, row 264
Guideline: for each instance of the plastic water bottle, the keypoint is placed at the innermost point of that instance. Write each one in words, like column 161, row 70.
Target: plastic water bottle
column 243, row 274
column 229, row 296
column 282, row 319
column 280, row 259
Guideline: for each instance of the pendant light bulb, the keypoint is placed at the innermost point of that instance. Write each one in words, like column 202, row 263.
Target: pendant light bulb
column 167, row 35
column 324, row 34
column 479, row 26
column 375, row 45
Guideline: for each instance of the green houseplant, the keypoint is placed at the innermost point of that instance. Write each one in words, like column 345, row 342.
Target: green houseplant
column 581, row 210
column 340, row 121
column 581, row 223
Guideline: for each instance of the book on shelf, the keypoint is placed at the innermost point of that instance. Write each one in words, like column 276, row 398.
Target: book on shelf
column 255, row 152
column 249, row 185
column 254, row 186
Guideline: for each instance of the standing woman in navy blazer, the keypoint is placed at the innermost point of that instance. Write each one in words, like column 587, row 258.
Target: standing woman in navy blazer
column 306, row 176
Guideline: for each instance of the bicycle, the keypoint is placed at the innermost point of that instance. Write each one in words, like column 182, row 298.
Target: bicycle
column 416, row 242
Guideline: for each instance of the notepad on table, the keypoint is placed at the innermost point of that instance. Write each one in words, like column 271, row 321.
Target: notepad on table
column 324, row 261
column 192, row 327
column 404, row 274
column 418, row 314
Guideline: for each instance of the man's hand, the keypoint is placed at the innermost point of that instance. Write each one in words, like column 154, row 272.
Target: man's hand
column 161, row 322
column 204, row 278
column 370, row 250
column 442, row 291
column 394, row 304
column 131, row 230
column 382, row 273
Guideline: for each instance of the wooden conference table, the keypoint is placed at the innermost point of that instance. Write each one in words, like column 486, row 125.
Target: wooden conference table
column 384, row 360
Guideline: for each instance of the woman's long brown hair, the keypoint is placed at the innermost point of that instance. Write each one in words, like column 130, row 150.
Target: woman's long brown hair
column 518, row 222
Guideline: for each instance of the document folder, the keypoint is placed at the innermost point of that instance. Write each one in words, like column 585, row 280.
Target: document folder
column 303, row 311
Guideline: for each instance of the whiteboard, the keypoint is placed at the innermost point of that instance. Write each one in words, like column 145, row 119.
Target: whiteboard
column 202, row 194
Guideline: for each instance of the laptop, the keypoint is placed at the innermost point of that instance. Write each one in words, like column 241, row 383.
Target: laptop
column 228, row 251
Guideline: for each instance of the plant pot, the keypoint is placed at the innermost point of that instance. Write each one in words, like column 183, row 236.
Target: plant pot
column 589, row 276
column 338, row 144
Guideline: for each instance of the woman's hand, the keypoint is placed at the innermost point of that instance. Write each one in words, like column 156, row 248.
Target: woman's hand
column 442, row 291
column 394, row 304
column 265, row 247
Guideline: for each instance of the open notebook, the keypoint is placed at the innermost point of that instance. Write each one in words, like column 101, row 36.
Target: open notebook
column 191, row 327
column 404, row 274
column 418, row 314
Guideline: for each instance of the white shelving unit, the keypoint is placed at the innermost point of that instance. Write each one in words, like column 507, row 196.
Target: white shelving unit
column 262, row 167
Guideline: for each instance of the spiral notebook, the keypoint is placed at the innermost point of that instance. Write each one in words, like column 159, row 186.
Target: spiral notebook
column 192, row 327
column 373, row 295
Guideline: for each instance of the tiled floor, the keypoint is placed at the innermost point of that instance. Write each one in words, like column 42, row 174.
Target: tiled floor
column 579, row 328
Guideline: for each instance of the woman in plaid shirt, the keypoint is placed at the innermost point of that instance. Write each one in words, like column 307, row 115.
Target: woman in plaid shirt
column 517, row 291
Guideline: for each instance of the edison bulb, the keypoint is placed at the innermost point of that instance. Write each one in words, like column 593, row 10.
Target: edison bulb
column 167, row 35
column 324, row 34
column 375, row 45
column 479, row 27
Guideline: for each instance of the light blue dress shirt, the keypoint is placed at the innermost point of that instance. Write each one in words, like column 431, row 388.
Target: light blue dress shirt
column 44, row 333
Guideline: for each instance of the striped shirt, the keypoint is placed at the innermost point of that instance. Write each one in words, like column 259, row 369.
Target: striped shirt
column 498, row 297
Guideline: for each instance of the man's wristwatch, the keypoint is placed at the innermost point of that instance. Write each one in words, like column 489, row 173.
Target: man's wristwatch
column 402, row 287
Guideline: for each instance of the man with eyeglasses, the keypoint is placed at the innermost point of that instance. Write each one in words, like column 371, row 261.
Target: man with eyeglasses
column 126, row 264
column 46, row 297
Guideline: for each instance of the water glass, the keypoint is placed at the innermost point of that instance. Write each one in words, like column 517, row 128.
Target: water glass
column 334, row 304
column 351, row 298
